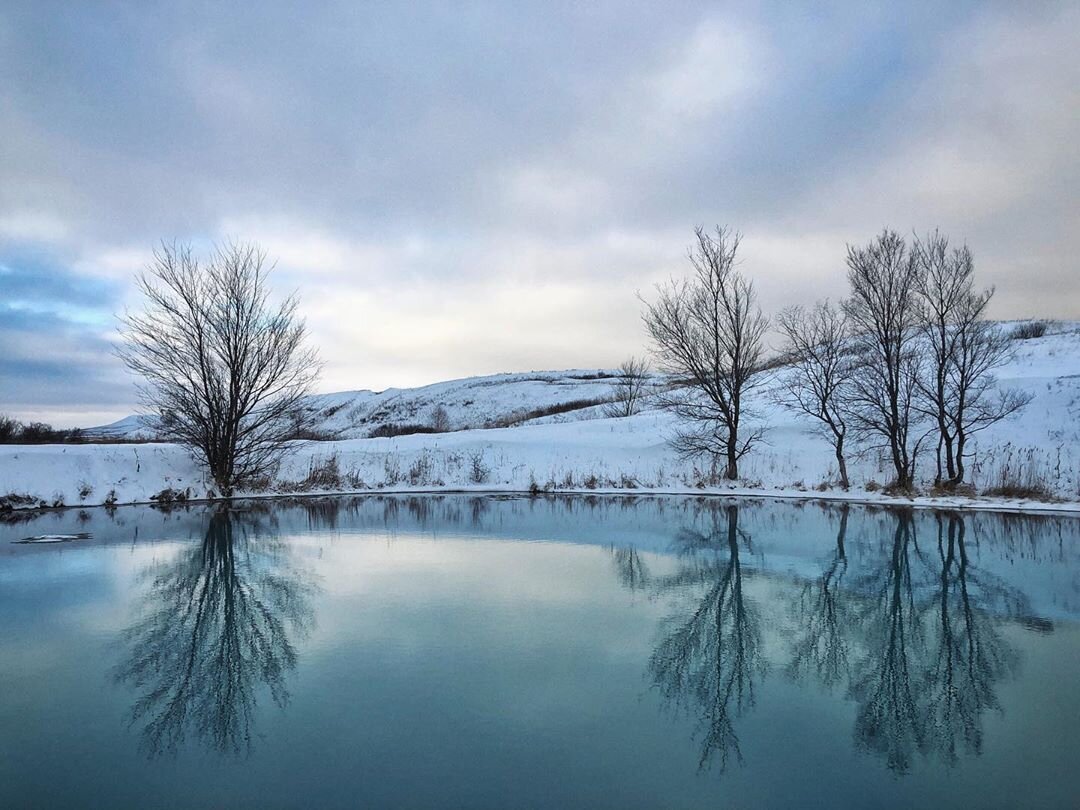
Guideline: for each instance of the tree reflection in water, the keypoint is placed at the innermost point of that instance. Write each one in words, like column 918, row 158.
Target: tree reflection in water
column 969, row 655
column 217, row 626
column 888, row 720
column 912, row 636
column 708, row 661
column 820, row 647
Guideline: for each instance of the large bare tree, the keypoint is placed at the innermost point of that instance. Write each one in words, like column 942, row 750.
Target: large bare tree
column 883, row 309
column 223, row 368
column 707, row 333
column 958, row 388
column 816, row 385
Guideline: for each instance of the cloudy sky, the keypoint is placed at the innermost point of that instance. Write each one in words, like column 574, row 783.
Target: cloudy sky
column 458, row 189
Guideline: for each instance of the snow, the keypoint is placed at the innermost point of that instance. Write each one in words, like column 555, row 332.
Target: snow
column 580, row 450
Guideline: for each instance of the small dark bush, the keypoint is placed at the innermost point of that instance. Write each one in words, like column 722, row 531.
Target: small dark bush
column 440, row 420
column 478, row 469
column 896, row 489
column 168, row 496
column 1031, row 492
column 9, row 429
column 388, row 431
column 11, row 502
column 1028, row 331
column 946, row 489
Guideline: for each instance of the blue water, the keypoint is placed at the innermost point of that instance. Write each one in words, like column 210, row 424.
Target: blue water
column 459, row 651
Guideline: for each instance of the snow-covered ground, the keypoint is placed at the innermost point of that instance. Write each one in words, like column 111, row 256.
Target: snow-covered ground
column 575, row 450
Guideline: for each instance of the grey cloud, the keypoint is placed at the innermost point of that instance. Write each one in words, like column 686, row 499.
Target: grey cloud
column 417, row 165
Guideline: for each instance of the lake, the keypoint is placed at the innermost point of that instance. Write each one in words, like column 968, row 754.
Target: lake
column 496, row 652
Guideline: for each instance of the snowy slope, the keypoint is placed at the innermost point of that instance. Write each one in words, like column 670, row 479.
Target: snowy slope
column 580, row 450
column 473, row 402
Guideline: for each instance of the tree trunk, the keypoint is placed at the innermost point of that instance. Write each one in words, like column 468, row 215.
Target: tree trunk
column 950, row 464
column 958, row 477
column 732, row 472
column 841, row 463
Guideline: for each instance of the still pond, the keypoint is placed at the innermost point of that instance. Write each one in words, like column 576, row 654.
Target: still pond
column 495, row 652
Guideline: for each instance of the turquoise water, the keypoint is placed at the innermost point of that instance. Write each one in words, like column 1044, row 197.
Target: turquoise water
column 457, row 651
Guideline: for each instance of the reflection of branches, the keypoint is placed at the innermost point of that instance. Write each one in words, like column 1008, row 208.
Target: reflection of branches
column 970, row 655
column 888, row 720
column 935, row 653
column 630, row 568
column 215, row 629
column 821, row 647
column 710, row 658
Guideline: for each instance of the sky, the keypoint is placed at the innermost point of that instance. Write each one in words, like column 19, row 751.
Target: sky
column 470, row 188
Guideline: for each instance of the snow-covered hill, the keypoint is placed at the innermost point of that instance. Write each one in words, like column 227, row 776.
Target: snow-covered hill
column 579, row 449
column 496, row 400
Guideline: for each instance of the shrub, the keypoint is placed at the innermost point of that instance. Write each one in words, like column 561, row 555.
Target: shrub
column 1028, row 331
column 898, row 488
column 9, row 429
column 1033, row 493
column 389, row 430
column 324, row 475
column 14, row 432
column 440, row 420
column 168, row 496
column 420, row 470
column 391, row 470
column 1018, row 472
column 478, row 469
column 11, row 502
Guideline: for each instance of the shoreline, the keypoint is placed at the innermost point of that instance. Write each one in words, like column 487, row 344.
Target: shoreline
column 975, row 503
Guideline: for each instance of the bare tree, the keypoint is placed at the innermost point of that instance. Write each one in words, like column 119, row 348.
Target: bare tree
column 958, row 388
column 708, row 334
column 10, row 428
column 440, row 419
column 225, row 370
column 630, row 387
column 882, row 308
column 818, row 343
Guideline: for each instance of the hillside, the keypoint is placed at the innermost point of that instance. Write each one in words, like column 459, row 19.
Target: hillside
column 496, row 400
column 578, row 449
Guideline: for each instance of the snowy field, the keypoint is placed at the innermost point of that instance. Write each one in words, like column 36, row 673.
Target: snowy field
column 576, row 450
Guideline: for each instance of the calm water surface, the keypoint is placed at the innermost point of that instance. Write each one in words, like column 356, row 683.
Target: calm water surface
column 505, row 652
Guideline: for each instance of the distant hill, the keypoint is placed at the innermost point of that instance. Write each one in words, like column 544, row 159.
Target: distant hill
column 496, row 400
